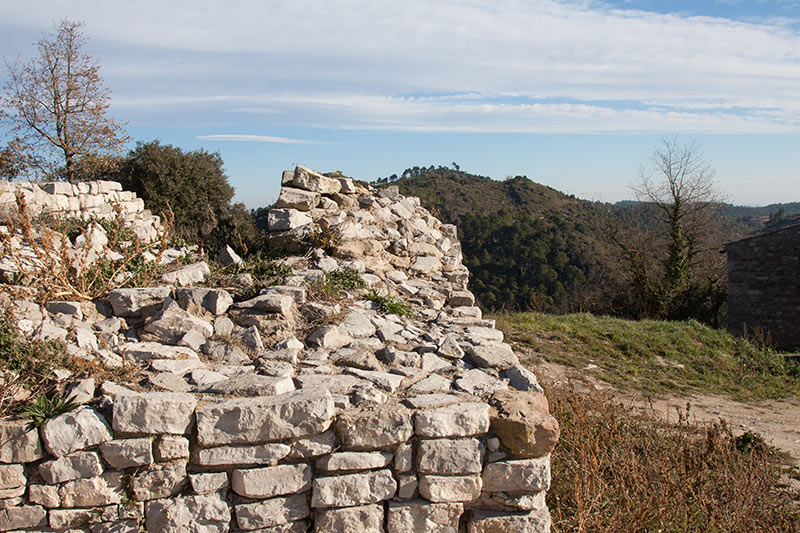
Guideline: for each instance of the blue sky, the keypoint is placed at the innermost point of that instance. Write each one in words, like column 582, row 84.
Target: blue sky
column 573, row 94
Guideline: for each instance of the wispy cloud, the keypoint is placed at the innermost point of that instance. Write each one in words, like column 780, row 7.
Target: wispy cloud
column 254, row 138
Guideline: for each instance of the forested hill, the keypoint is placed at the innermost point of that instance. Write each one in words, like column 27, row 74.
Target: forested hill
column 527, row 246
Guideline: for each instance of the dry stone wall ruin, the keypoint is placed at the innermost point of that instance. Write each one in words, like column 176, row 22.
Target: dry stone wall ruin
column 287, row 412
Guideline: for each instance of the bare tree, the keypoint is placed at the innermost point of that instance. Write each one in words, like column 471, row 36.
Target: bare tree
column 673, row 255
column 57, row 105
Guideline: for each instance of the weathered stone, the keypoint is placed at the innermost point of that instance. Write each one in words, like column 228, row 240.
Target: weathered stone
column 252, row 385
column 287, row 219
column 385, row 380
column 262, row 454
column 12, row 476
column 171, row 447
column 184, row 514
column 297, row 199
column 403, row 456
column 176, row 366
column 461, row 298
column 159, row 481
column 492, row 355
column 523, row 423
column 76, row 430
column 477, row 382
column 493, row 522
column 364, row 519
column 137, row 301
column 207, row 483
column 97, row 491
column 227, row 256
column 449, row 456
column 270, row 302
column 450, row 348
column 244, row 421
column 272, row 512
column 374, row 427
column 522, row 379
column 353, row 461
column 462, row 420
column 127, row 453
column 421, row 517
column 449, row 488
column 313, row 446
column 192, row 339
column 74, row 466
column 172, row 323
column 169, row 382
column 353, row 489
column 188, row 275
column 152, row 413
column 46, row 495
column 26, row 516
column 525, row 475
column 406, row 486
column 432, row 363
column 215, row 301
column 271, row 481
column 432, row 383
column 19, row 443
column 335, row 384
column 358, row 325
column 309, row 180
column 330, row 337
column 147, row 351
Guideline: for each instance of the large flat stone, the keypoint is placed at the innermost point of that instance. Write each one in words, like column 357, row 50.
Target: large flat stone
column 19, row 442
column 523, row 423
column 147, row 351
column 215, row 301
column 493, row 522
column 261, row 454
column 353, row 461
column 137, row 301
column 250, row 421
column 449, row 488
column 524, row 475
column 449, row 456
column 127, row 453
column 103, row 490
column 12, row 476
column 374, row 427
column 423, row 517
column 363, row 519
column 23, row 517
column 73, row 466
column 162, row 480
column 307, row 179
column 353, row 489
column 272, row 512
column 492, row 355
column 252, row 385
column 75, row 430
column 462, row 420
column 205, row 513
column 152, row 413
column 271, row 481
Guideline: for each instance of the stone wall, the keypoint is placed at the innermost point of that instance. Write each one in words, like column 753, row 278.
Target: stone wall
column 86, row 200
column 292, row 411
column 764, row 285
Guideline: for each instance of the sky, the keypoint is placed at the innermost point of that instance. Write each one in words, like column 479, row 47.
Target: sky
column 574, row 94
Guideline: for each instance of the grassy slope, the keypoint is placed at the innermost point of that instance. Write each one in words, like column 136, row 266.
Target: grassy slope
column 654, row 356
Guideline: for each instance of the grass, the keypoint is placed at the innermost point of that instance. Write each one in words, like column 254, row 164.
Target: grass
column 618, row 470
column 389, row 305
column 655, row 357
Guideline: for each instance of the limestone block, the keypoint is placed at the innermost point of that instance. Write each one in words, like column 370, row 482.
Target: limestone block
column 73, row 466
column 385, row 380
column 127, row 453
column 313, row 446
column 188, row 275
column 12, row 476
column 215, row 301
column 358, row 325
column 147, row 351
column 449, row 456
column 201, row 514
column 159, row 481
column 522, row 379
column 364, row 519
column 227, row 256
column 271, row 481
column 353, row 489
column 287, row 219
column 76, row 430
column 373, row 427
column 270, row 302
column 272, row 512
column 172, row 323
column 406, row 486
column 152, row 413
column 252, row 420
column 23, row 517
column 450, row 348
column 331, row 337
column 262, row 454
column 522, row 422
column 461, row 298
column 252, row 385
column 477, row 382
column 423, row 517
column 297, row 199
column 207, row 483
column 171, row 447
column 137, row 301
column 46, row 495
column 19, row 443
column 461, row 420
column 353, row 461
column 426, row 264
column 176, row 366
column 403, row 458
column 335, row 384
column 432, row 383
column 309, row 180
column 492, row 355
column 492, row 522
column 106, row 489
column 524, row 475
column 449, row 488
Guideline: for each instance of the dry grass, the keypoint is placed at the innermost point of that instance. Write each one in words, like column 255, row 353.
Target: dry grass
column 618, row 471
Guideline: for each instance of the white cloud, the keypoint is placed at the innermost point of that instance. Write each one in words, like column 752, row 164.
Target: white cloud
column 253, row 138
column 352, row 64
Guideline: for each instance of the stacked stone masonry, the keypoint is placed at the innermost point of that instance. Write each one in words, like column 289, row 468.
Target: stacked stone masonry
column 242, row 417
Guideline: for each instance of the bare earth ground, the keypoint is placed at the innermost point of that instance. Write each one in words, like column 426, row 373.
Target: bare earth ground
column 777, row 421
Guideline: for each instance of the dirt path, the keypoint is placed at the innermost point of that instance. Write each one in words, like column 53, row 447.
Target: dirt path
column 777, row 421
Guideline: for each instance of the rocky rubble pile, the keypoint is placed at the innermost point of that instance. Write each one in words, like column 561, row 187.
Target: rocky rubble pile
column 287, row 411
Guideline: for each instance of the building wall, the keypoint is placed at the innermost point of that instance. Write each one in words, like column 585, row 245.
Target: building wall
column 764, row 285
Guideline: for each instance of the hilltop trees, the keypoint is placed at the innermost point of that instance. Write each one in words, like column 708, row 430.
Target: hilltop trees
column 57, row 106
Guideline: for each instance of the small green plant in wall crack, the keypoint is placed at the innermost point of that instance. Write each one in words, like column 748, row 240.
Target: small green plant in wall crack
column 44, row 408
column 390, row 305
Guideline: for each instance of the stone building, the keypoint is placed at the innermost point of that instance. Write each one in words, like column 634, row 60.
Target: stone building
column 764, row 285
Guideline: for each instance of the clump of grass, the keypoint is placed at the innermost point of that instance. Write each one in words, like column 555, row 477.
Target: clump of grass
column 618, row 471
column 656, row 357
column 342, row 279
column 44, row 408
column 389, row 305
column 324, row 239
